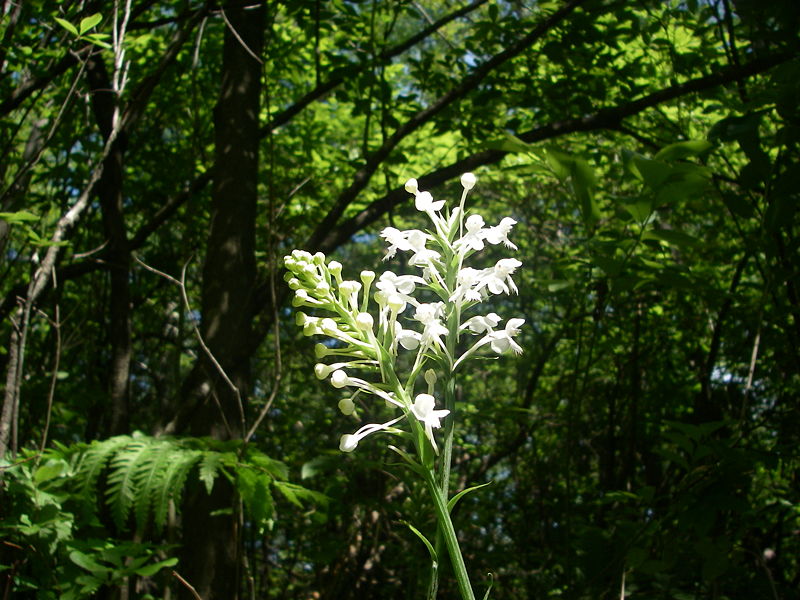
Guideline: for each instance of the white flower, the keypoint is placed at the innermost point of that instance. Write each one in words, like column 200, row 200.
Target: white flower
column 468, row 281
column 397, row 240
column 499, row 233
column 429, row 315
column 473, row 239
column 423, row 409
column 498, row 278
column 501, row 340
column 423, row 257
column 349, row 293
column 482, row 324
column 400, row 285
column 349, row 441
column 340, row 379
column 407, row 338
column 411, row 186
column 425, row 202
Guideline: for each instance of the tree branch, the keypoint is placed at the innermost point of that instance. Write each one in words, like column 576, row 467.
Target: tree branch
column 362, row 177
column 606, row 118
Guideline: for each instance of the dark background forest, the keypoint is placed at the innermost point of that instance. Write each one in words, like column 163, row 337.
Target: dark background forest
column 162, row 428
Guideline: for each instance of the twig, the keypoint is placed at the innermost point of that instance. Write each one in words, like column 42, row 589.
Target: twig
column 188, row 585
column 238, row 37
column 54, row 377
column 210, row 355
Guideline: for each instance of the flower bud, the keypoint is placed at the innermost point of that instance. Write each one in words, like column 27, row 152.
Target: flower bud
column 349, row 287
column 319, row 258
column 367, row 277
column 339, row 379
column 322, row 370
column 468, row 181
column 300, row 318
column 396, row 303
column 335, row 267
column 310, row 328
column 300, row 298
column 348, row 442
column 411, row 186
column 347, row 406
column 430, row 377
column 329, row 326
column 364, row 321
column 321, row 351
column 294, row 283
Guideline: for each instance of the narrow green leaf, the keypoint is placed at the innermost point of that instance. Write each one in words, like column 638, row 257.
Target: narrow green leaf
column 67, row 25
column 454, row 500
column 681, row 150
column 509, row 143
column 19, row 216
column 428, row 545
column 288, row 492
column 150, row 570
column 85, row 562
column 99, row 39
column 410, row 462
column 489, row 589
column 672, row 237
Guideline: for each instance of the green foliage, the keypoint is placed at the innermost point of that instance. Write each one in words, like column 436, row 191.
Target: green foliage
column 56, row 502
column 649, row 429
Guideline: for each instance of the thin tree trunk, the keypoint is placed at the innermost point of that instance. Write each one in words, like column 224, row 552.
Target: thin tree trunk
column 110, row 194
column 210, row 552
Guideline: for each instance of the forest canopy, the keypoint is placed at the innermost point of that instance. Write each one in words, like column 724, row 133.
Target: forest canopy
column 632, row 428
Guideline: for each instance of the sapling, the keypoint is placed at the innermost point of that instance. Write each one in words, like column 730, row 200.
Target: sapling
column 381, row 323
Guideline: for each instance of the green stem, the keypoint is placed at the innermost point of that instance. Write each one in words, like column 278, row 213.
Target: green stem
column 450, row 539
column 446, row 458
column 445, row 461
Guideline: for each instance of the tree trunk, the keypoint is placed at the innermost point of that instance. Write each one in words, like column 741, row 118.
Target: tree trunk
column 210, row 552
column 110, row 195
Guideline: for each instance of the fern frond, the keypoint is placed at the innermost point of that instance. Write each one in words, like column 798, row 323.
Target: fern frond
column 121, row 490
column 94, row 461
column 171, row 488
column 150, row 477
column 208, row 469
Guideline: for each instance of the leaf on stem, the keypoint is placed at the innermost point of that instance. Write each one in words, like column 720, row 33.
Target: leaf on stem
column 428, row 545
column 454, row 500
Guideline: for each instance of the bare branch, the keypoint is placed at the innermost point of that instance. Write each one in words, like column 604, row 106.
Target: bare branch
column 210, row 355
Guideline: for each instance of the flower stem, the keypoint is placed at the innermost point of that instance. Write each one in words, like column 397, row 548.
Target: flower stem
column 449, row 535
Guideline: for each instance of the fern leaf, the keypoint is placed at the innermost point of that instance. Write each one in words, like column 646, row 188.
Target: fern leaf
column 151, row 478
column 94, row 461
column 122, row 490
column 171, row 488
column 208, row 469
